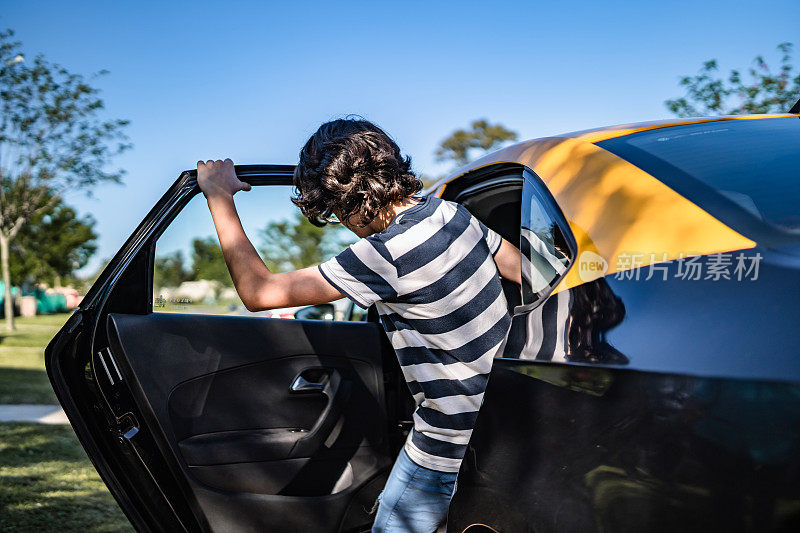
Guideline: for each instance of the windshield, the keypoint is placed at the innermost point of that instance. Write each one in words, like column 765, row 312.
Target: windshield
column 754, row 165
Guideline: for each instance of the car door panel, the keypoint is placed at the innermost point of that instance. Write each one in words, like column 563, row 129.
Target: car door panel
column 221, row 390
column 578, row 448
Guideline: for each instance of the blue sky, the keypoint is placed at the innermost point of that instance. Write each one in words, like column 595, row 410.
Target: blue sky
column 252, row 80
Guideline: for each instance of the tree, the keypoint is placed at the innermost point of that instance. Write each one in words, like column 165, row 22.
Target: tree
column 297, row 243
column 208, row 262
column 481, row 136
column 761, row 91
column 52, row 140
column 170, row 270
column 52, row 245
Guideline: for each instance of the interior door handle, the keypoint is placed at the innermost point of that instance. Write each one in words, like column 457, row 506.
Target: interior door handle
column 337, row 389
column 301, row 384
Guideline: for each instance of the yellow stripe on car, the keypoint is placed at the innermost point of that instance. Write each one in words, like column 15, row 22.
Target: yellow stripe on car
column 615, row 209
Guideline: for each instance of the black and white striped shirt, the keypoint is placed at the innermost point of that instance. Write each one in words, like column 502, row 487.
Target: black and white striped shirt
column 432, row 277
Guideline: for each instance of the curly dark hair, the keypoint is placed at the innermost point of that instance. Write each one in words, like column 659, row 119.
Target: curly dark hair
column 351, row 167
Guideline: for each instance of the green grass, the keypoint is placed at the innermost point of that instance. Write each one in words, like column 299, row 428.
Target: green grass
column 34, row 332
column 22, row 375
column 46, row 481
column 48, row 484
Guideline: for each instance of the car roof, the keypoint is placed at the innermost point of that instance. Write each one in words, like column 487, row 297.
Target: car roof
column 612, row 206
column 593, row 135
column 620, row 130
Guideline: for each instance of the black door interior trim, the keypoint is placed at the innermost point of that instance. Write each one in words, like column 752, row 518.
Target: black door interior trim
column 256, row 443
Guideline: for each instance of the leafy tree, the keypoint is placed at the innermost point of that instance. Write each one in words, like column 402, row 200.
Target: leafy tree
column 760, row 91
column 208, row 262
column 52, row 245
column 481, row 135
column 52, row 140
column 297, row 243
column 170, row 270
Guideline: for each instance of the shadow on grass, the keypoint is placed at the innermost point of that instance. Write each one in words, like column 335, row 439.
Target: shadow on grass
column 33, row 331
column 25, row 385
column 47, row 483
column 24, row 444
column 33, row 336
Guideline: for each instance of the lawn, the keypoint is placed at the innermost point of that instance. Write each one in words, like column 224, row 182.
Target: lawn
column 46, row 481
column 22, row 375
column 48, row 484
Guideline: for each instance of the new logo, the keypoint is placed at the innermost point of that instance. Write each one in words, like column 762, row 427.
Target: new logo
column 591, row 266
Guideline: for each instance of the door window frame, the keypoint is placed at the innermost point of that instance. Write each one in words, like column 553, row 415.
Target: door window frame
column 533, row 188
column 503, row 174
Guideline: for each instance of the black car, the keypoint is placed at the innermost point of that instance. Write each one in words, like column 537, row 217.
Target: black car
column 650, row 380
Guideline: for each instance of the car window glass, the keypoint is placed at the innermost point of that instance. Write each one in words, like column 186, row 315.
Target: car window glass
column 355, row 313
column 316, row 312
column 753, row 163
column 546, row 254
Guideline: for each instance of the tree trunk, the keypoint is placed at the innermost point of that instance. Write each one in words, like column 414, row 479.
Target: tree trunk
column 7, row 303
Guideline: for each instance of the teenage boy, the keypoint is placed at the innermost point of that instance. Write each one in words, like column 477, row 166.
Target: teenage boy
column 428, row 266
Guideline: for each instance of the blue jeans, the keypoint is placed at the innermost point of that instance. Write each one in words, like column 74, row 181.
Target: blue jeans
column 415, row 499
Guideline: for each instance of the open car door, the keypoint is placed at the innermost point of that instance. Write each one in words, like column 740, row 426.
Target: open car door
column 222, row 423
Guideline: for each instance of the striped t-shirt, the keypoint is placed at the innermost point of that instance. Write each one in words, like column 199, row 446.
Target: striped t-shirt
column 432, row 277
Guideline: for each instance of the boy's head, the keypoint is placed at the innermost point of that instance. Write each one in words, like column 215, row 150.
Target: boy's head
column 351, row 169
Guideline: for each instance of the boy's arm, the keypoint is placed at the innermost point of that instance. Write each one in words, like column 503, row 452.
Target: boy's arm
column 508, row 262
column 258, row 288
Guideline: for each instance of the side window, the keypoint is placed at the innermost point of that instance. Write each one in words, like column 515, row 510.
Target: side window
column 190, row 275
column 546, row 246
column 354, row 313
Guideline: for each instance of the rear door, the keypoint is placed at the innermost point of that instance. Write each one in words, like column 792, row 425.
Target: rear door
column 199, row 418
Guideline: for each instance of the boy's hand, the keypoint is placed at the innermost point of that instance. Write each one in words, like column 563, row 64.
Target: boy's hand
column 218, row 178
